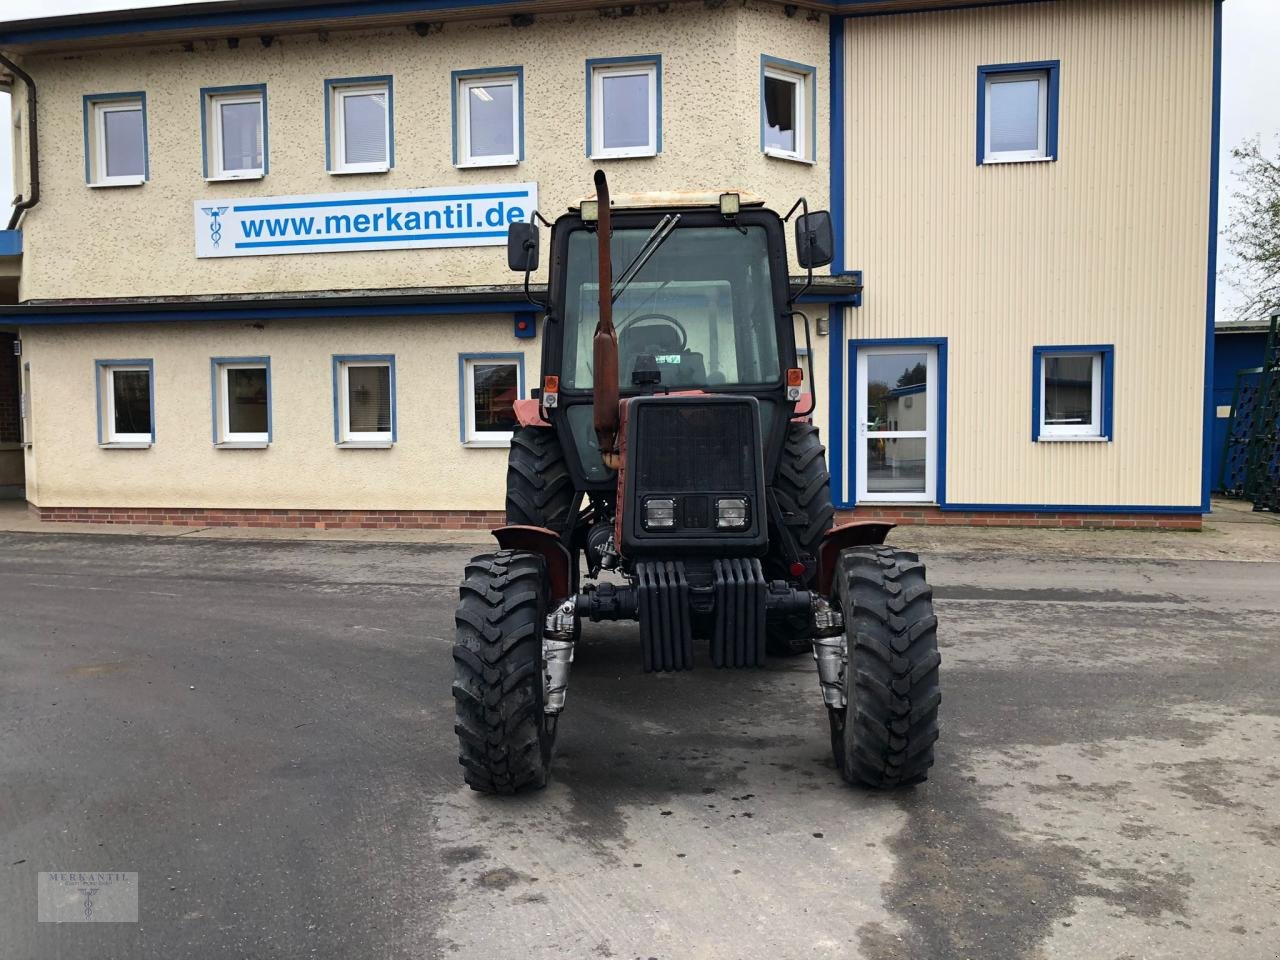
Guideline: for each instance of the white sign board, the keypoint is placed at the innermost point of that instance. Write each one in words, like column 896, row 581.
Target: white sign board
column 465, row 216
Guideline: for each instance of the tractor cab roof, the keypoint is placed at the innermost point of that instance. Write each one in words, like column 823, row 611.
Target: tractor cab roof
column 672, row 199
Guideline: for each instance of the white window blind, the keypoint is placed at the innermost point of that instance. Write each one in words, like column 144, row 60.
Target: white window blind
column 368, row 399
column 364, row 128
column 241, row 127
column 1016, row 116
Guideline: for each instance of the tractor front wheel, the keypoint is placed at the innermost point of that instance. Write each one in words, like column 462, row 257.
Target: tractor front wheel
column 505, row 738
column 884, row 735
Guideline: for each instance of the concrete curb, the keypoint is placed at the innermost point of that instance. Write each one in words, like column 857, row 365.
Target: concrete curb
column 1232, row 533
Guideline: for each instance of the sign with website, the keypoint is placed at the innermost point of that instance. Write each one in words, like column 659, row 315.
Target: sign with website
column 462, row 216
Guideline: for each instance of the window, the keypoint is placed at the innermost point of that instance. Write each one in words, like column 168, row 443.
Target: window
column 716, row 282
column 1018, row 112
column 126, row 403
column 364, row 402
column 787, row 105
column 489, row 385
column 1071, row 393
column 234, row 130
column 241, row 401
column 488, row 113
column 624, row 107
column 115, row 139
column 359, row 125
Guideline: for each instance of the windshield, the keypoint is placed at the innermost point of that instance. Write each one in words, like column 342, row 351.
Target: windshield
column 699, row 314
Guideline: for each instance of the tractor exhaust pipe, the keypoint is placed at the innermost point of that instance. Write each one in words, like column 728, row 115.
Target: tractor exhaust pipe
column 604, row 347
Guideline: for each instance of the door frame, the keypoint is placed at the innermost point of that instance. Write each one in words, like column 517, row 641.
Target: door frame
column 854, row 444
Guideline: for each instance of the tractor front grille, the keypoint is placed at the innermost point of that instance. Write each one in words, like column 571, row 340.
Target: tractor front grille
column 695, row 447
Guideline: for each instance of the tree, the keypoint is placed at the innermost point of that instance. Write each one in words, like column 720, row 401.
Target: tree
column 914, row 375
column 1253, row 234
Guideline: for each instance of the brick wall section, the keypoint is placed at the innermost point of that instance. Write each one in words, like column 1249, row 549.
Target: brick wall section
column 300, row 519
column 10, row 431
column 488, row 519
column 932, row 516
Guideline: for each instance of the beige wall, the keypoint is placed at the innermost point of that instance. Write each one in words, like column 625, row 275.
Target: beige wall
column 134, row 241
column 1107, row 245
column 428, row 468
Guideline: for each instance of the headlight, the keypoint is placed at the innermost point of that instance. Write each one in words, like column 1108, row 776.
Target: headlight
column 659, row 514
column 731, row 513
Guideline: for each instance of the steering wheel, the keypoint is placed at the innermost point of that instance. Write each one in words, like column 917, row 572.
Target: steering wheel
column 665, row 318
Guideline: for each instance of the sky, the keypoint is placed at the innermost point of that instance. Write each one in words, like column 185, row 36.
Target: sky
column 1250, row 77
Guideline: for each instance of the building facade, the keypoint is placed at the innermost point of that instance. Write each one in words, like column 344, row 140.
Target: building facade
column 263, row 280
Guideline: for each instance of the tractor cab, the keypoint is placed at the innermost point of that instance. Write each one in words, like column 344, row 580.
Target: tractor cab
column 700, row 302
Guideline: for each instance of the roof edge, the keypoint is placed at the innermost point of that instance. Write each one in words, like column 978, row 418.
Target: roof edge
column 223, row 18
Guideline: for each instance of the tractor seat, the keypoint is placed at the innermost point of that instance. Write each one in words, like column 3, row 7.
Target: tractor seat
column 662, row 342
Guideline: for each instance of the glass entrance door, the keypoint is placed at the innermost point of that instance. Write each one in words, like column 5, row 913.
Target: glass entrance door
column 896, row 417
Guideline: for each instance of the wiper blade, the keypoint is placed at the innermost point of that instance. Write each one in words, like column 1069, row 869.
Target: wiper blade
column 655, row 239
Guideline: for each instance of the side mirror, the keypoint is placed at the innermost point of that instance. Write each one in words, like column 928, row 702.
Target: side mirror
column 522, row 247
column 815, row 242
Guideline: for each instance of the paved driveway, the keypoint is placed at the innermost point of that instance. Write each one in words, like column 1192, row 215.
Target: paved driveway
column 263, row 732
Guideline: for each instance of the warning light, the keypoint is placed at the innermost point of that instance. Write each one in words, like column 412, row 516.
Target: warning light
column 795, row 376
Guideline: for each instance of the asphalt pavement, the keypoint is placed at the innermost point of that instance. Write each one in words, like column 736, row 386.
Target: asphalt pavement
column 263, row 732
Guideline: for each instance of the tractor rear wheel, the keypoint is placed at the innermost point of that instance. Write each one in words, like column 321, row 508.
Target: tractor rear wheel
column 884, row 736
column 803, row 492
column 539, row 487
column 505, row 738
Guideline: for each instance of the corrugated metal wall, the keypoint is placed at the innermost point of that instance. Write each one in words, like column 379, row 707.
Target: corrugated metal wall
column 1107, row 245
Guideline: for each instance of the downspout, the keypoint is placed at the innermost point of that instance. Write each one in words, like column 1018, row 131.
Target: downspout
column 33, row 145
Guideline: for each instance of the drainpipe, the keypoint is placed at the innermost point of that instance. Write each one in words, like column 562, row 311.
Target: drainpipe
column 33, row 144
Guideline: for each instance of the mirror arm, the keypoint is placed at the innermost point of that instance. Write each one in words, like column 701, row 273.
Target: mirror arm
column 803, row 204
column 531, row 245
column 528, row 294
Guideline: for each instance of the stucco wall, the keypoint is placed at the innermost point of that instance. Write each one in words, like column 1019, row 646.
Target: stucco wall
column 428, row 468
column 134, row 241
column 1108, row 245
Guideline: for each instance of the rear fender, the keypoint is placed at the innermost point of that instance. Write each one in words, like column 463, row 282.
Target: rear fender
column 547, row 544
column 859, row 533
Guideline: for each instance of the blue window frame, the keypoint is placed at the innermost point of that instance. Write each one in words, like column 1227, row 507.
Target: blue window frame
column 488, row 386
column 364, row 400
column 631, row 124
column 488, row 116
column 788, row 109
column 1018, row 112
column 240, row 391
column 126, row 402
column 1072, row 390
column 359, row 125
column 116, row 152
column 233, row 132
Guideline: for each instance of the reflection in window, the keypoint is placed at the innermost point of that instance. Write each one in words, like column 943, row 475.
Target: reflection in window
column 490, row 392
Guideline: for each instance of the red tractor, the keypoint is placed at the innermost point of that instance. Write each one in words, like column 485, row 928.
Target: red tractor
column 670, row 452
